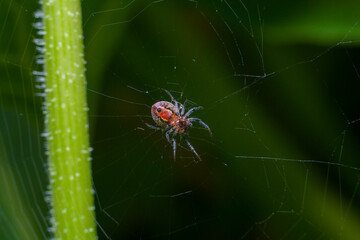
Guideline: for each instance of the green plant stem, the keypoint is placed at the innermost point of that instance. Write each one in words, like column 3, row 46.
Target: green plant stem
column 67, row 123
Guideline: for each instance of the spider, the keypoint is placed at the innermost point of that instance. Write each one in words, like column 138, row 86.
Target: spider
column 171, row 117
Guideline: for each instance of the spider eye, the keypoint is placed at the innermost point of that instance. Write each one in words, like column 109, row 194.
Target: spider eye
column 158, row 110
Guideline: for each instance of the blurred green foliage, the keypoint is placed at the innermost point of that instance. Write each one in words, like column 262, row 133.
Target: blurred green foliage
column 303, row 104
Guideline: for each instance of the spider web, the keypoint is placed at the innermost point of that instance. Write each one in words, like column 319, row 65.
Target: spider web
column 279, row 85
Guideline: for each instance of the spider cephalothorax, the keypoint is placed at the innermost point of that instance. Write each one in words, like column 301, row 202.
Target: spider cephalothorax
column 172, row 118
column 183, row 125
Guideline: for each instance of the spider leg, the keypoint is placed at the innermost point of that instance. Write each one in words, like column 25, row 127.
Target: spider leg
column 192, row 110
column 192, row 148
column 182, row 107
column 174, row 147
column 202, row 123
column 152, row 127
column 172, row 98
column 168, row 93
column 167, row 134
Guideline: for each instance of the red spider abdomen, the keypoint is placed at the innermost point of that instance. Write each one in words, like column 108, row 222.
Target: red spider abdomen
column 164, row 113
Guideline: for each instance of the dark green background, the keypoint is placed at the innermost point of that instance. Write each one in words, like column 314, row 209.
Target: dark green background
column 277, row 79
